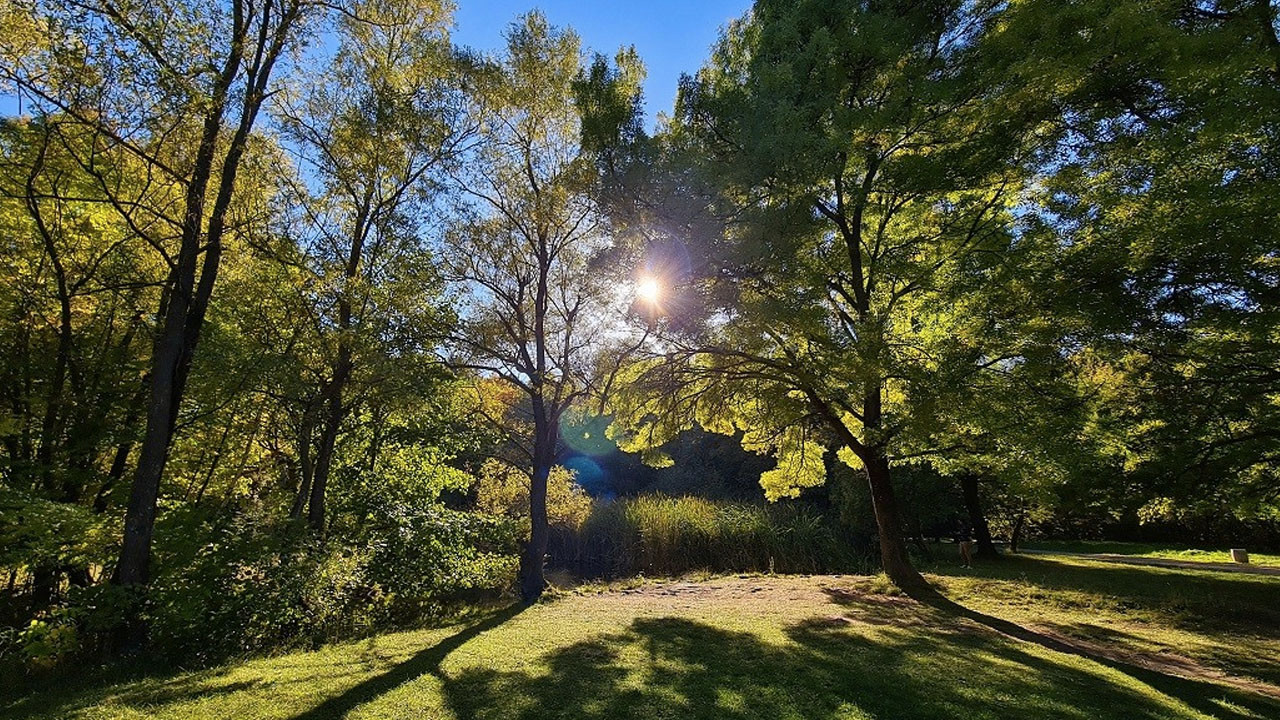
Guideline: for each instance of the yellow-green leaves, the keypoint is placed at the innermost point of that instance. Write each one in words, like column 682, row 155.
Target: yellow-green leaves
column 800, row 465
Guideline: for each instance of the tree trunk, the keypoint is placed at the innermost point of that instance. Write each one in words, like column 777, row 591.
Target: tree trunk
column 335, row 409
column 342, row 367
column 893, row 549
column 1015, row 536
column 986, row 549
column 305, row 465
column 51, row 426
column 324, row 457
column 44, row 587
column 140, row 516
column 176, row 336
column 120, row 461
column 190, row 291
column 532, row 577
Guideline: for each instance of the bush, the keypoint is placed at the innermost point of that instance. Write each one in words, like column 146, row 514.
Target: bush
column 234, row 584
column 250, row 588
column 662, row 535
column 260, row 590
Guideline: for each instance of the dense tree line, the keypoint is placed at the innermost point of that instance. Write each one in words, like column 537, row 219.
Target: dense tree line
column 304, row 308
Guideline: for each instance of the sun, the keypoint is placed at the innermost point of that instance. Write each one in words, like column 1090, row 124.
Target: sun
column 648, row 290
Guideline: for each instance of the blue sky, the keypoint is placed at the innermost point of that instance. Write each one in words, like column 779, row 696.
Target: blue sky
column 672, row 36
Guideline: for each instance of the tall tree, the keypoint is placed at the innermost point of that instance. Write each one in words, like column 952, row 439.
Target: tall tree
column 536, row 310
column 852, row 184
column 78, row 282
column 178, row 86
column 1158, row 195
column 375, row 132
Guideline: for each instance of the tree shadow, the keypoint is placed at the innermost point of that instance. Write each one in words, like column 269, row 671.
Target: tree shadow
column 1210, row 661
column 1248, row 700
column 824, row 667
column 864, row 655
column 1191, row 599
column 425, row 662
column 151, row 687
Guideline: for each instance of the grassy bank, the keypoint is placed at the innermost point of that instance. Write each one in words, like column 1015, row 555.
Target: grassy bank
column 1106, row 642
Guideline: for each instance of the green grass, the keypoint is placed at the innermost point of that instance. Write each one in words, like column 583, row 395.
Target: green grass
column 1163, row 551
column 1221, row 621
column 771, row 647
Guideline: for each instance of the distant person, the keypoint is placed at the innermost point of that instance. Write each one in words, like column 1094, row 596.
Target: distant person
column 965, row 541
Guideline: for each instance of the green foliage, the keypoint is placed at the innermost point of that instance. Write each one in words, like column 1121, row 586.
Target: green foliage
column 1157, row 189
column 663, row 535
column 857, row 195
column 502, row 490
column 230, row 585
column 35, row 532
column 249, row 586
column 45, row 642
column 244, row 589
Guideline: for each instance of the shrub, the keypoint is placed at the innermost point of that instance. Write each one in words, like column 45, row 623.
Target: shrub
column 231, row 584
column 259, row 591
column 658, row 534
column 251, row 588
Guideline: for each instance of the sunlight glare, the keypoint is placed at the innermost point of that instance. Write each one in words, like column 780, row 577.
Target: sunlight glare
column 647, row 289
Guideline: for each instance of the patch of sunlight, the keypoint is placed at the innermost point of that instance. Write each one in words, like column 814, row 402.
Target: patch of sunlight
column 731, row 701
column 849, row 711
column 1235, row 710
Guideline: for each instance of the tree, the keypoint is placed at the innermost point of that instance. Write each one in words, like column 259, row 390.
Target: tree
column 78, row 281
column 536, row 309
column 856, row 179
column 157, row 80
column 1155, row 195
column 375, row 132
column 76, row 286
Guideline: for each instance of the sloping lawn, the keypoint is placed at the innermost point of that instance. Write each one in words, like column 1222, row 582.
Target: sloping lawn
column 1100, row 641
column 1152, row 550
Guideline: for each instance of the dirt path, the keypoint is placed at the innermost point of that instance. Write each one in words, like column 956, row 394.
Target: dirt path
column 1164, row 562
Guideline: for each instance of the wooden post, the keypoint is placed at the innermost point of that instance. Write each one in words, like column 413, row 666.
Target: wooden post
column 1240, row 555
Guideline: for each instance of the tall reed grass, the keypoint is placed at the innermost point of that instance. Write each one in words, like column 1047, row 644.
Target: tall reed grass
column 663, row 535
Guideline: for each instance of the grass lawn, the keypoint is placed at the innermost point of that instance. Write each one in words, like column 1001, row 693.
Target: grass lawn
column 1102, row 641
column 1151, row 550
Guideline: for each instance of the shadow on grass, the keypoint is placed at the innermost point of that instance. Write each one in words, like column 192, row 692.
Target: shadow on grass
column 150, row 687
column 425, row 662
column 867, row 656
column 143, row 684
column 1189, row 598
column 831, row 667
column 1255, row 701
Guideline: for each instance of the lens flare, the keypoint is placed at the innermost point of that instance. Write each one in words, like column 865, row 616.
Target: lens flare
column 648, row 290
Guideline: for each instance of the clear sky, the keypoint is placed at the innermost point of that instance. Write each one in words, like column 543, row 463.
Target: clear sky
column 672, row 36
